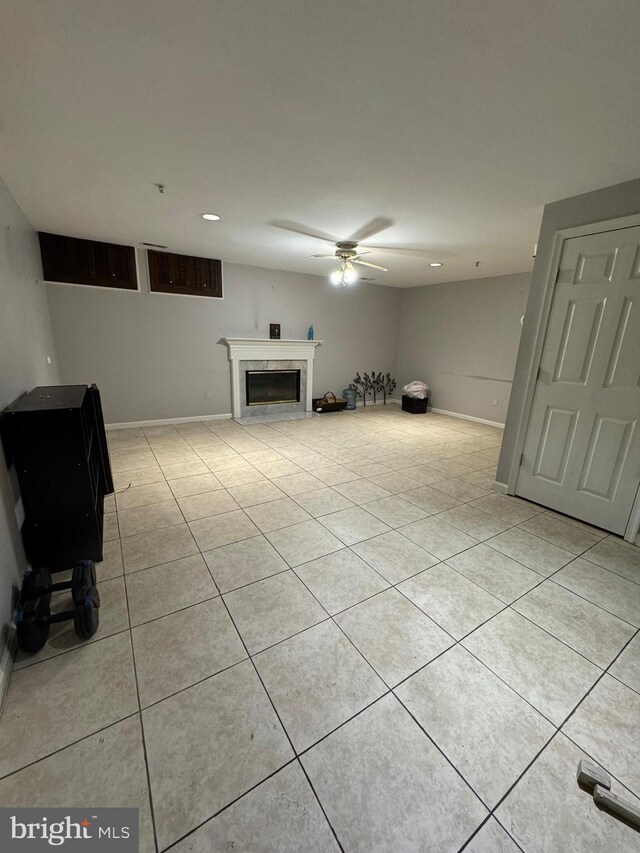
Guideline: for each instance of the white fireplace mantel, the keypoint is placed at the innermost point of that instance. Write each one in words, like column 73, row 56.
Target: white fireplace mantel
column 267, row 349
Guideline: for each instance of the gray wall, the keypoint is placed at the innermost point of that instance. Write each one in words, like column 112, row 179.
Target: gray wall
column 25, row 342
column 154, row 356
column 598, row 206
column 461, row 338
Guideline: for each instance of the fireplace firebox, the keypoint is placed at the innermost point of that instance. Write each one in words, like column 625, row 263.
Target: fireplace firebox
column 266, row 387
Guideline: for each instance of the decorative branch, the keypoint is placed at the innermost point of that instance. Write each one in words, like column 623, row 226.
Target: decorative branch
column 388, row 386
column 364, row 386
column 376, row 383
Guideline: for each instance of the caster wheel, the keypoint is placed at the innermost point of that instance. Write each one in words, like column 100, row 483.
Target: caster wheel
column 87, row 612
column 32, row 629
column 84, row 574
column 32, row 583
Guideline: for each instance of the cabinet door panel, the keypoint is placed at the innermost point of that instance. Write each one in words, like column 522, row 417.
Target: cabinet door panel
column 66, row 259
column 184, row 274
column 75, row 261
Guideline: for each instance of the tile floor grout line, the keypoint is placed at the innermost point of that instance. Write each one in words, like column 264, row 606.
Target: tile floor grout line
column 291, row 636
column 427, row 569
column 543, row 578
column 607, row 569
column 559, row 730
column 387, row 691
column 142, row 731
column 480, row 826
column 322, row 808
column 436, row 515
column 227, row 806
column 397, row 529
column 293, row 497
column 341, row 725
column 178, row 609
column 560, row 640
column 620, row 681
column 155, row 702
column 67, row 745
column 495, row 674
column 342, row 631
column 391, row 690
column 593, row 758
column 87, row 644
column 527, row 768
column 472, row 631
column 275, row 710
column 250, row 583
column 279, row 718
column 441, row 751
column 588, row 600
column 509, row 606
column 599, row 679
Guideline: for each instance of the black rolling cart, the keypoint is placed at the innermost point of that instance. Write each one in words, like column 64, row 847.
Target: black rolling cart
column 56, row 438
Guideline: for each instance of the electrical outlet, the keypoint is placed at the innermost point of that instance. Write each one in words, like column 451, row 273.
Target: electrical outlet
column 495, row 402
column 207, row 395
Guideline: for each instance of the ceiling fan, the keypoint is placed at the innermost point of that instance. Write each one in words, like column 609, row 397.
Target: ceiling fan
column 347, row 253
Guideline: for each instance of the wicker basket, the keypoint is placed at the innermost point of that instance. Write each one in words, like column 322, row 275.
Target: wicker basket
column 329, row 403
column 414, row 405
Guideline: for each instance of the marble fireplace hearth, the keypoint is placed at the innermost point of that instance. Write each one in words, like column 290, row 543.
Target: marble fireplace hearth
column 247, row 354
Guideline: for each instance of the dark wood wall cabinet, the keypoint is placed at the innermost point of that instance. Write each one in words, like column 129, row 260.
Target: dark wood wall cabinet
column 75, row 261
column 170, row 273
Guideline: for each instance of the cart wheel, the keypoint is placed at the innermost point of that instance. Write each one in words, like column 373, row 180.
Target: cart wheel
column 84, row 574
column 87, row 612
column 32, row 627
column 32, row 582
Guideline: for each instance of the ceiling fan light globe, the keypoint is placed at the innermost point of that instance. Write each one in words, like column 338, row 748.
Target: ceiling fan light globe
column 350, row 276
column 335, row 277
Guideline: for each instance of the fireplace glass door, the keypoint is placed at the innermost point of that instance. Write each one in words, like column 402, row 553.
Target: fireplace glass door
column 266, row 387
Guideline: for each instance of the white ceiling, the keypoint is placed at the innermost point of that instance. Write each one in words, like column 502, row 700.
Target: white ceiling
column 456, row 120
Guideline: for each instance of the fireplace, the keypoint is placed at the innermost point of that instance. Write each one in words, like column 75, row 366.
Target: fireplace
column 267, row 387
column 269, row 357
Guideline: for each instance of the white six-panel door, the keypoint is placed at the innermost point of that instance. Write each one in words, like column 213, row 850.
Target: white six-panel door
column 582, row 449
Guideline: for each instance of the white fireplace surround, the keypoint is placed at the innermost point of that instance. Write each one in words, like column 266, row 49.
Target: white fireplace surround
column 266, row 349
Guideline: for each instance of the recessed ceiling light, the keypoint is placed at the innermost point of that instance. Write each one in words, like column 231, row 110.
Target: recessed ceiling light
column 211, row 217
column 435, row 264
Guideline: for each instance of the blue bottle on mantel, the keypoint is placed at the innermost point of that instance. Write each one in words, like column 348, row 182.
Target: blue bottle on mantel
column 310, row 333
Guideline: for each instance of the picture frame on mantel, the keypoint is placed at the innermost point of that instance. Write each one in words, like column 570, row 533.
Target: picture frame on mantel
column 274, row 331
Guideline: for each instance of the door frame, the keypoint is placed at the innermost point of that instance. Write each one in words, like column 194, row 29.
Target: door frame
column 633, row 527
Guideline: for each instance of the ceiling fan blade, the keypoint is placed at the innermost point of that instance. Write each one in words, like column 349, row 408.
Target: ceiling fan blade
column 333, row 257
column 380, row 223
column 374, row 266
column 423, row 253
column 286, row 225
column 359, row 255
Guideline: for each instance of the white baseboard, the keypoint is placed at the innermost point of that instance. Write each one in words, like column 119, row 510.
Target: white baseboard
column 168, row 421
column 6, row 662
column 501, row 488
column 360, row 404
column 227, row 416
column 468, row 418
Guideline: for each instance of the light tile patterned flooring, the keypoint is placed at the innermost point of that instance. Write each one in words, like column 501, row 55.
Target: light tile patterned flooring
column 331, row 634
